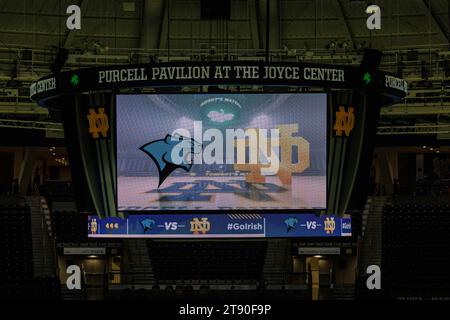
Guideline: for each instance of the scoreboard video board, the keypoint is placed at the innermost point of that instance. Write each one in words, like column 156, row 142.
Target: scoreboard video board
column 206, row 152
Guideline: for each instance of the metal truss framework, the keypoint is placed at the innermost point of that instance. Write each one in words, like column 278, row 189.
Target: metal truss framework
column 34, row 125
column 415, row 130
column 382, row 130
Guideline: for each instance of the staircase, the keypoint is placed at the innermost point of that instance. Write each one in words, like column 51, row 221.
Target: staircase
column 276, row 261
column 43, row 250
column 140, row 265
column 67, row 294
column 346, row 292
column 372, row 229
column 47, row 216
column 365, row 216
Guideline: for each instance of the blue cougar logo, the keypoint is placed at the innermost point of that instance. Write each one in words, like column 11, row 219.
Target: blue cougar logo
column 171, row 153
column 148, row 224
column 291, row 223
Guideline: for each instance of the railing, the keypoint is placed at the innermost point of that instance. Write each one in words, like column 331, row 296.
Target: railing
column 121, row 279
column 29, row 124
column 94, row 286
column 48, row 242
column 34, row 63
column 414, row 129
column 129, row 279
column 104, row 285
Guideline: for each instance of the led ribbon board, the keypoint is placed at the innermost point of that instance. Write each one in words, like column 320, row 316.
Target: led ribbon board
column 217, row 73
column 280, row 225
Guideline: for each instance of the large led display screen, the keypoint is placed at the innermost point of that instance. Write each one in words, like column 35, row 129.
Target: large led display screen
column 249, row 151
column 278, row 225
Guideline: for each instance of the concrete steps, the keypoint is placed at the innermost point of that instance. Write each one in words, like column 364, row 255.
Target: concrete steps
column 372, row 237
column 140, row 265
column 67, row 294
column 343, row 293
column 276, row 261
column 43, row 254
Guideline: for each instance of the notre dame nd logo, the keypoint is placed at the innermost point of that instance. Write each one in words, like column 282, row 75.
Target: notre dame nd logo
column 330, row 225
column 94, row 226
column 98, row 123
column 200, row 226
column 345, row 121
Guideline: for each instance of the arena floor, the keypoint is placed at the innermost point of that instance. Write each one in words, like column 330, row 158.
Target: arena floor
column 139, row 193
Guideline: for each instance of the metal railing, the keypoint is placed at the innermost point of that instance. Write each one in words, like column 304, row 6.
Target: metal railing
column 128, row 279
column 415, row 129
column 34, row 62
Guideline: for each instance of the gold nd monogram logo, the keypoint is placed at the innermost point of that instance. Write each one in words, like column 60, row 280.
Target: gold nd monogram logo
column 98, row 123
column 285, row 143
column 330, row 225
column 345, row 121
column 93, row 226
column 202, row 226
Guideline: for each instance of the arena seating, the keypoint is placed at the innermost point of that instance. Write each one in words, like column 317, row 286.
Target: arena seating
column 34, row 288
column 415, row 242
column 205, row 293
column 69, row 227
column 431, row 187
column 57, row 191
column 16, row 258
column 207, row 260
column 16, row 262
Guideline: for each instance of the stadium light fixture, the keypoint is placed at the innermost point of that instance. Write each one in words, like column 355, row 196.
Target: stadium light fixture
column 60, row 60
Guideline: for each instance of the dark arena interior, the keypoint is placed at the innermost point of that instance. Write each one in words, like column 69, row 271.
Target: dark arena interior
column 226, row 150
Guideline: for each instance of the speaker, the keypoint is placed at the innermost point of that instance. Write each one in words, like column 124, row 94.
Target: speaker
column 368, row 70
column 215, row 9
column 60, row 60
column 371, row 58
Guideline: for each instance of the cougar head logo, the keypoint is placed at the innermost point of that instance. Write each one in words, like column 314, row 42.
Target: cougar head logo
column 171, row 153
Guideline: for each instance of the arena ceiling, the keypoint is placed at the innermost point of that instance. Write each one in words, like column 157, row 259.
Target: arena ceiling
column 330, row 31
column 295, row 24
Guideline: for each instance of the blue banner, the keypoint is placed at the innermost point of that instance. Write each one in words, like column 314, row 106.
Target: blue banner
column 220, row 226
